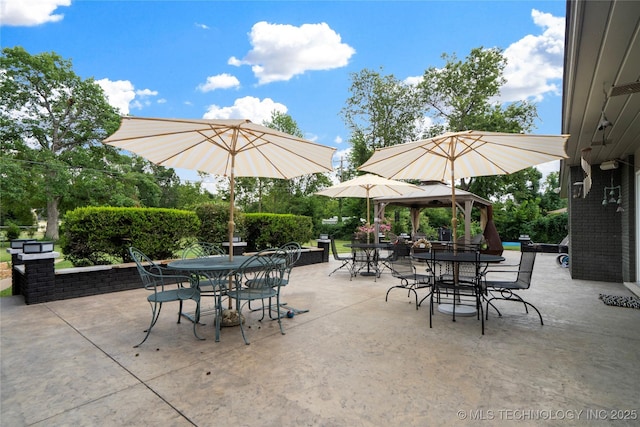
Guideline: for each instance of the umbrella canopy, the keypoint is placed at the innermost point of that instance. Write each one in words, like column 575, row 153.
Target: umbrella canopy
column 367, row 186
column 222, row 147
column 456, row 155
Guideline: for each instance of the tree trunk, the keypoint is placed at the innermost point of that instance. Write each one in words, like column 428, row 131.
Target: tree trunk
column 52, row 219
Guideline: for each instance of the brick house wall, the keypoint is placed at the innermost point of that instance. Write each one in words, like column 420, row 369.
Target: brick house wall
column 602, row 241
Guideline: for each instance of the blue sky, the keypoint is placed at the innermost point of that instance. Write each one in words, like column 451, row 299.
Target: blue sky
column 243, row 59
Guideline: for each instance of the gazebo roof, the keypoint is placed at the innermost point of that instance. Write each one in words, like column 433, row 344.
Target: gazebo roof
column 432, row 195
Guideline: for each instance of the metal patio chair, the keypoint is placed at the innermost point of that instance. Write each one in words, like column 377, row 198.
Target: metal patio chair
column 459, row 285
column 259, row 278
column 506, row 290
column 345, row 260
column 164, row 288
column 403, row 268
column 212, row 284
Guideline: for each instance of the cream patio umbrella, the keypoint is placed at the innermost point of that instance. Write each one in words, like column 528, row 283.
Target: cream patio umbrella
column 456, row 155
column 368, row 186
column 222, row 147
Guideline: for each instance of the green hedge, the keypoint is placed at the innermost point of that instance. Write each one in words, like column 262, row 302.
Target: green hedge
column 99, row 235
column 273, row 230
column 214, row 222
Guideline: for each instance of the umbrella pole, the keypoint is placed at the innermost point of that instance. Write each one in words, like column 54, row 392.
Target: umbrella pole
column 232, row 223
column 368, row 223
column 454, row 216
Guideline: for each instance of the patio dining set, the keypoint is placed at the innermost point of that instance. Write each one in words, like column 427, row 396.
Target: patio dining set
column 205, row 271
column 459, row 280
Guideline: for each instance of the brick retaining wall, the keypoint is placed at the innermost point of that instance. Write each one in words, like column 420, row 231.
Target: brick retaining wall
column 38, row 282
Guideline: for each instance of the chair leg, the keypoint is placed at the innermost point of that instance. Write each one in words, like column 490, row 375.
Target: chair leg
column 431, row 309
column 404, row 285
column 218, row 315
column 344, row 263
column 489, row 303
column 195, row 323
column 279, row 316
column 516, row 298
column 154, row 318
column 239, row 311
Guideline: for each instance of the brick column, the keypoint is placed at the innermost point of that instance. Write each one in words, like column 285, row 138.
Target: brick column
column 39, row 277
column 15, row 278
column 324, row 245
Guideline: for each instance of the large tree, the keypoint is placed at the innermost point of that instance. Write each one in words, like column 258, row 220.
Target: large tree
column 52, row 111
column 462, row 95
column 381, row 111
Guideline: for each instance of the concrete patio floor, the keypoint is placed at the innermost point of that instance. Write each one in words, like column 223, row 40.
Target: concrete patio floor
column 352, row 360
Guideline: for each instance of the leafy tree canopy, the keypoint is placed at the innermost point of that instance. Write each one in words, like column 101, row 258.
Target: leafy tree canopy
column 53, row 112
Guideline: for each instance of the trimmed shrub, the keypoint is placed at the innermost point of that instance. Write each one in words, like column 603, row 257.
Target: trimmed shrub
column 273, row 230
column 99, row 235
column 13, row 231
column 214, row 222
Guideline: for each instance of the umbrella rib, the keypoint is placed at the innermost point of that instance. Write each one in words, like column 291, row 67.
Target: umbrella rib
column 471, row 147
column 253, row 145
column 195, row 144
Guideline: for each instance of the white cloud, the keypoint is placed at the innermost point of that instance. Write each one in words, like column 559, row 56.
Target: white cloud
column 221, row 81
column 248, row 107
column 311, row 136
column 122, row 95
column 119, row 93
column 413, row 80
column 338, row 139
column 342, row 155
column 282, row 51
column 547, row 168
column 202, row 26
column 146, row 92
column 535, row 62
column 30, row 13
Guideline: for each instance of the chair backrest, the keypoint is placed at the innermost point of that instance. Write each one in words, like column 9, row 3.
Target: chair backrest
column 150, row 272
column 527, row 260
column 468, row 272
column 402, row 267
column 334, row 250
column 264, row 269
column 292, row 252
column 202, row 250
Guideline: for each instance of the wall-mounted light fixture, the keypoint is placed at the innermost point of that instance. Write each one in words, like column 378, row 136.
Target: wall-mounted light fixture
column 577, row 189
column 609, row 165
